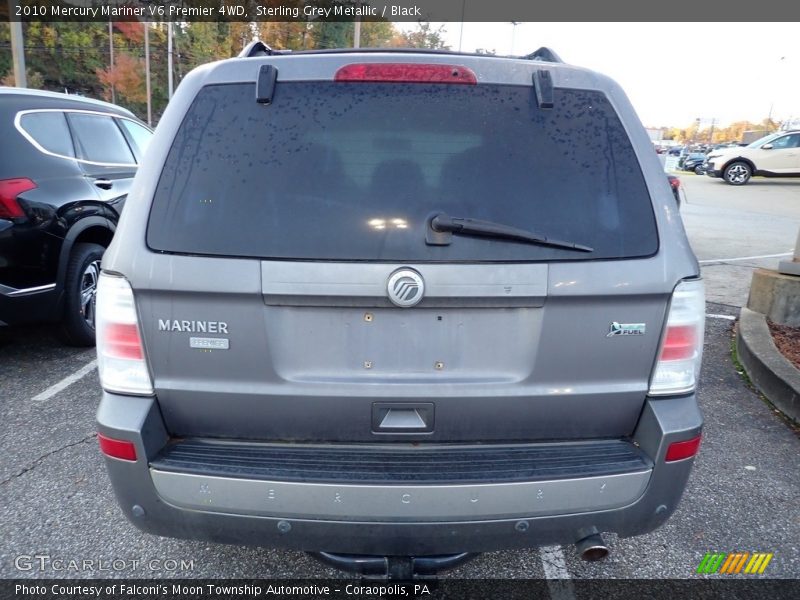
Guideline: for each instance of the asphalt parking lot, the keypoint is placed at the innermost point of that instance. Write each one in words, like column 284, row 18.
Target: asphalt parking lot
column 743, row 495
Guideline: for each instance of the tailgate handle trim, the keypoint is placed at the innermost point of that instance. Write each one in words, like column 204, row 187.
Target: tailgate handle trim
column 402, row 418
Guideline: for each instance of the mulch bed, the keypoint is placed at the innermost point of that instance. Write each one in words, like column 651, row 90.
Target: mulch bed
column 787, row 339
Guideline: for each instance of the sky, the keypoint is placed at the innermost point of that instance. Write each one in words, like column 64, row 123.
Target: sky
column 673, row 73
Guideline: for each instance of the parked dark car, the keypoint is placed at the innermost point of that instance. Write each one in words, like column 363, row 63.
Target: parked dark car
column 67, row 164
column 694, row 162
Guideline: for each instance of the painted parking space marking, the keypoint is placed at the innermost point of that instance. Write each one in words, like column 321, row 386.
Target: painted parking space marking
column 66, row 382
column 558, row 578
column 723, row 260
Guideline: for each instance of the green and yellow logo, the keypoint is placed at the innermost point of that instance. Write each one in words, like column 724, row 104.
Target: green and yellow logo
column 735, row 562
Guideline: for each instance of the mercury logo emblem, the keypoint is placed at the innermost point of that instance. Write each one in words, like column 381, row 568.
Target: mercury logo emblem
column 405, row 287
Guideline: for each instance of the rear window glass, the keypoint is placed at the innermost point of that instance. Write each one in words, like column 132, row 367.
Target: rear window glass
column 351, row 171
column 140, row 134
column 50, row 131
column 100, row 139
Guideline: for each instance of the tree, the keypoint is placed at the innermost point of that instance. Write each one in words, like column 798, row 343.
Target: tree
column 770, row 124
column 377, row 34
column 333, row 35
column 423, row 37
column 293, row 35
column 35, row 79
column 132, row 31
column 67, row 54
column 127, row 78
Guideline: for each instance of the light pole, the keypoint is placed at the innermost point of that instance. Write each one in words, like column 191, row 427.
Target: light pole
column 17, row 49
column 772, row 104
column 698, row 122
column 461, row 31
column 147, row 72
column 169, row 60
column 357, row 29
column 513, row 34
column 111, row 59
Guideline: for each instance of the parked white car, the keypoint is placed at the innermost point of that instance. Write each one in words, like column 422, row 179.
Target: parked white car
column 775, row 155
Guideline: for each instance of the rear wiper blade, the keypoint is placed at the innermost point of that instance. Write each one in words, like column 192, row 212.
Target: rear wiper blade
column 441, row 226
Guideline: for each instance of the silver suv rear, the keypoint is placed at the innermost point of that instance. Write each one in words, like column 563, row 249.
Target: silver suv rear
column 399, row 304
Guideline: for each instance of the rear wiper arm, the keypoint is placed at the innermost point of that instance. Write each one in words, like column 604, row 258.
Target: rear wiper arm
column 441, row 226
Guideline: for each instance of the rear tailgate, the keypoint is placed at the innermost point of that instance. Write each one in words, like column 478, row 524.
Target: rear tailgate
column 475, row 362
column 275, row 230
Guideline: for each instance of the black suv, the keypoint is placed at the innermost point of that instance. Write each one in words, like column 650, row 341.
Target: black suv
column 66, row 168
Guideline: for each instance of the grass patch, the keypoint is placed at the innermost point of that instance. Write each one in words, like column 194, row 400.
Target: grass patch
column 737, row 364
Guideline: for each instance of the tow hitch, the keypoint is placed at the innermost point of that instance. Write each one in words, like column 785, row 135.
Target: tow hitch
column 399, row 568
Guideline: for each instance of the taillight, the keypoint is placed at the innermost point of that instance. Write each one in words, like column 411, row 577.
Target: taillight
column 675, row 183
column 120, row 353
column 122, row 341
column 679, row 343
column 681, row 349
column 121, row 449
column 684, row 449
column 405, row 73
column 9, row 190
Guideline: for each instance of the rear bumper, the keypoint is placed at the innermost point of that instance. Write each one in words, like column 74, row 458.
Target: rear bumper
column 400, row 519
column 18, row 306
column 28, row 273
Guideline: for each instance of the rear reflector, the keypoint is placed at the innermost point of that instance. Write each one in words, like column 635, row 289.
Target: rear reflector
column 9, row 190
column 681, row 450
column 681, row 351
column 122, row 449
column 406, row 73
column 120, row 352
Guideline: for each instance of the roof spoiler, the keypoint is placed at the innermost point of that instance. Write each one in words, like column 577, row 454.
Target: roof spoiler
column 544, row 54
column 257, row 48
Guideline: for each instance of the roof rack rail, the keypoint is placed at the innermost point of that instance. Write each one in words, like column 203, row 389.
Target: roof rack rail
column 256, row 48
column 544, row 54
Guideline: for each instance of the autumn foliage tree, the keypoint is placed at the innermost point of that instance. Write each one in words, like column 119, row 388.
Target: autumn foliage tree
column 132, row 31
column 424, row 36
column 126, row 78
column 35, row 79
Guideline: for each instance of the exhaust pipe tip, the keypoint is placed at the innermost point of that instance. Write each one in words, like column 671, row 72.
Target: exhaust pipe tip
column 592, row 548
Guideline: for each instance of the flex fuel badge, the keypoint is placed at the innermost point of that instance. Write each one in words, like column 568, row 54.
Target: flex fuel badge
column 626, row 329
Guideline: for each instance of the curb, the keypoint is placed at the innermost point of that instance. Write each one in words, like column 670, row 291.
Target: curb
column 770, row 371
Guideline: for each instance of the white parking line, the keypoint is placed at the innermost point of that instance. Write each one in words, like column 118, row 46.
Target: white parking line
column 719, row 260
column 715, row 316
column 559, row 581
column 66, row 382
